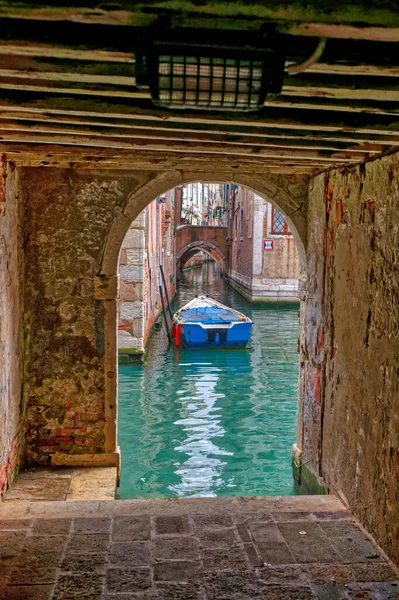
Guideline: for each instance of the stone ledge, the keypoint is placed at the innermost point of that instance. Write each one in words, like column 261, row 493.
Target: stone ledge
column 111, row 459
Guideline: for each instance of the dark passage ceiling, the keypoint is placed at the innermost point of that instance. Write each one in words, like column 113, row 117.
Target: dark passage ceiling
column 68, row 92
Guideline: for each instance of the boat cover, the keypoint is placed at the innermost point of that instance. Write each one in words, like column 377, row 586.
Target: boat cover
column 209, row 315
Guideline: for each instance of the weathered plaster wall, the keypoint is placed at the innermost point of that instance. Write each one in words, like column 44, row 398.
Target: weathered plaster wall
column 350, row 350
column 11, row 264
column 74, row 225
column 68, row 215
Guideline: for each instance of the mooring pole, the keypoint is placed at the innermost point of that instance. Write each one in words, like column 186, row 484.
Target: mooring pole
column 164, row 313
column 166, row 291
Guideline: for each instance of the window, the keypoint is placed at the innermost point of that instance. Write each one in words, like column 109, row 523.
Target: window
column 242, row 225
column 278, row 222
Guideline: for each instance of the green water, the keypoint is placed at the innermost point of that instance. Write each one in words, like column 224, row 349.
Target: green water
column 212, row 422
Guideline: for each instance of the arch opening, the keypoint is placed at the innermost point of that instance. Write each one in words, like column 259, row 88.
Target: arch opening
column 143, row 198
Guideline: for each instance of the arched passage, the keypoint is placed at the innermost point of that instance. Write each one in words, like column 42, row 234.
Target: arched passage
column 191, row 249
column 288, row 195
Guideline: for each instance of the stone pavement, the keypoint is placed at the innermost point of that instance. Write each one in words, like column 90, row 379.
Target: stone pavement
column 64, row 483
column 273, row 548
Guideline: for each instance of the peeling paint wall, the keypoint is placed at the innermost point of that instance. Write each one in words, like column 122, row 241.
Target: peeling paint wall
column 11, row 371
column 350, row 350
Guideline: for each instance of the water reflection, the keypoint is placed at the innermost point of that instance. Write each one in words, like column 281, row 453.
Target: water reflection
column 212, row 422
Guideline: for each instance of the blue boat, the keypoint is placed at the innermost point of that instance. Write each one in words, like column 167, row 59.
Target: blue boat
column 205, row 323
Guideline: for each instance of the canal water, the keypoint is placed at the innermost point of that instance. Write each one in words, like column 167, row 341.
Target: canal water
column 195, row 423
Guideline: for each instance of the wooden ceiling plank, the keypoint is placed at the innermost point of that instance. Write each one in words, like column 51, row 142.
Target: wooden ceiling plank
column 232, row 131
column 189, row 148
column 30, row 49
column 382, row 95
column 193, row 137
column 277, row 118
column 116, row 80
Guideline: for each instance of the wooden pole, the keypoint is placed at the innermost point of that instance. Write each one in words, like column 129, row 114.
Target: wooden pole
column 164, row 313
column 166, row 291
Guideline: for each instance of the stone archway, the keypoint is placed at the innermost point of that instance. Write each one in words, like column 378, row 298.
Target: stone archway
column 289, row 195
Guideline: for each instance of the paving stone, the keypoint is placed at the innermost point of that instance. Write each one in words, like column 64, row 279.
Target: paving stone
column 92, row 525
column 285, row 576
column 243, row 532
column 212, row 521
column 331, row 591
column 128, row 580
column 36, row 575
column 149, row 595
column 129, row 554
column 349, row 542
column 81, row 543
column 28, row 592
column 329, row 573
column 338, row 515
column 261, row 515
column 43, row 543
column 253, row 556
column 84, row 563
column 279, row 592
column 224, row 558
column 179, row 570
column 230, row 585
column 7, row 565
column 218, row 538
column 265, row 532
column 76, row 587
column 175, row 548
column 33, row 560
column 379, row 591
column 287, row 517
column 11, row 542
column 310, row 546
column 178, row 591
column 12, row 524
column 131, row 528
column 171, row 525
column 274, row 553
column 372, row 572
column 51, row 527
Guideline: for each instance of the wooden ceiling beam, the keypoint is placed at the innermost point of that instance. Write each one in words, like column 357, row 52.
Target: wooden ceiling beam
column 100, row 146
column 270, row 117
column 232, row 131
column 125, row 133
column 318, row 18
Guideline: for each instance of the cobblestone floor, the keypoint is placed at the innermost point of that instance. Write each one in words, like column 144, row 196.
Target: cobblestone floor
column 294, row 548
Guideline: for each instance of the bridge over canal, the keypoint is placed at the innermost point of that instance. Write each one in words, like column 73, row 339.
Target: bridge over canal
column 191, row 239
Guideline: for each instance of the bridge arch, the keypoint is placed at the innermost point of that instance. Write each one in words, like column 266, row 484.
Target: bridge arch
column 190, row 249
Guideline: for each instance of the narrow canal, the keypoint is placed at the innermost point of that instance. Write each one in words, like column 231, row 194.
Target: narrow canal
column 212, row 423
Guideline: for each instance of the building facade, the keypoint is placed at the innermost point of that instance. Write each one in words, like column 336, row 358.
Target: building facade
column 149, row 244
column 263, row 261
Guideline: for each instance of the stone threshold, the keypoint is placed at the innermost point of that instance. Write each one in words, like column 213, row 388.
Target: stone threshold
column 55, row 484
column 174, row 506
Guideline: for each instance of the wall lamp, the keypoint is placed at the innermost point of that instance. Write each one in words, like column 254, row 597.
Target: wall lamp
column 209, row 77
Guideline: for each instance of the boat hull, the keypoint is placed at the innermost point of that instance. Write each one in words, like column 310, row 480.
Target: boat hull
column 198, row 335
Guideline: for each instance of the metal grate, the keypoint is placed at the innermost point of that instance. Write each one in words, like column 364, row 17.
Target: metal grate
column 278, row 222
column 204, row 77
column 209, row 82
